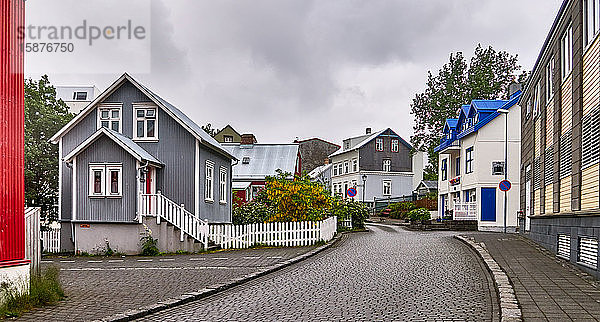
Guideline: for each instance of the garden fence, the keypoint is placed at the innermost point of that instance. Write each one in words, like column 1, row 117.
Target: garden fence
column 32, row 240
column 51, row 240
column 303, row 233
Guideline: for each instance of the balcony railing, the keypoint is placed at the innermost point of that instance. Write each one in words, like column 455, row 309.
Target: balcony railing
column 465, row 211
column 445, row 143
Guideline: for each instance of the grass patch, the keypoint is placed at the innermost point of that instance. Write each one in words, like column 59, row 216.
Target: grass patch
column 44, row 289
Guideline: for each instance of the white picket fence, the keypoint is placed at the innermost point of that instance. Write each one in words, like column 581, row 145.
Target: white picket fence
column 51, row 240
column 161, row 207
column 303, row 233
column 32, row 238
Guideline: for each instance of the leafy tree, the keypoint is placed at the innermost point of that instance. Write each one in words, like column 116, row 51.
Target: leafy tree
column 209, row 129
column 44, row 116
column 487, row 76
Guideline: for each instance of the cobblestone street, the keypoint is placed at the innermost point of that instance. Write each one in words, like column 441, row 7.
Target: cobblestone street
column 385, row 274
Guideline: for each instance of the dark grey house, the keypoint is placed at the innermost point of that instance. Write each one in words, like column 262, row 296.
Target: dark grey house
column 130, row 155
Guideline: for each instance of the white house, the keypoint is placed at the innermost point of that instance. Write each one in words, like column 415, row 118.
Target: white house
column 471, row 163
column 77, row 97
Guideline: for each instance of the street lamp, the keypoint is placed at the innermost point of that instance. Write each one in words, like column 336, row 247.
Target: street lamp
column 505, row 112
column 364, row 178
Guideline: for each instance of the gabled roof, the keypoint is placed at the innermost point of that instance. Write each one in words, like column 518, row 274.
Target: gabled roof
column 371, row 138
column 228, row 127
column 492, row 115
column 174, row 112
column 430, row 184
column 263, row 159
column 318, row 170
column 126, row 143
column 315, row 139
column 450, row 124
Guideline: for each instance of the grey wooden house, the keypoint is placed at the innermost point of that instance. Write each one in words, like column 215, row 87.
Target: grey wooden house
column 130, row 159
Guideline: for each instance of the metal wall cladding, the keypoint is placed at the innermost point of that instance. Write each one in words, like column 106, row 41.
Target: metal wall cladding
column 548, row 165
column 12, row 221
column 566, row 156
column 590, row 138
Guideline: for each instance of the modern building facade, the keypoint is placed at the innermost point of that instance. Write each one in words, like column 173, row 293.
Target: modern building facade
column 378, row 165
column 471, row 165
column 14, row 267
column 561, row 138
column 128, row 148
column 77, row 97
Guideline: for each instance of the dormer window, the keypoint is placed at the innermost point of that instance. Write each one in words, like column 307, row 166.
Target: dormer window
column 109, row 116
column 246, row 160
column 146, row 120
column 79, row 96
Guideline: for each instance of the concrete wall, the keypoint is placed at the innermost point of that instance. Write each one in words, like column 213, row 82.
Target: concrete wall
column 16, row 276
column 124, row 238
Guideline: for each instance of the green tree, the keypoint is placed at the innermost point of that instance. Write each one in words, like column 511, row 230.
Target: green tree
column 44, row 116
column 487, row 76
column 210, row 130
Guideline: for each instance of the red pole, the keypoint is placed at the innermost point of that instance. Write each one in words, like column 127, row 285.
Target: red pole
column 12, row 220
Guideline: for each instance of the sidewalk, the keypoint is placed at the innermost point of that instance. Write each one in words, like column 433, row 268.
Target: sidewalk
column 546, row 287
column 98, row 287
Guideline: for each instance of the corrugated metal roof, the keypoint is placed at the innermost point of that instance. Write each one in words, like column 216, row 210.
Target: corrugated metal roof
column 144, row 155
column 263, row 159
column 318, row 170
column 487, row 104
column 430, row 184
column 240, row 185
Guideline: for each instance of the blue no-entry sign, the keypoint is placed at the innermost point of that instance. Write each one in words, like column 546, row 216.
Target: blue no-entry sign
column 505, row 185
column 351, row 192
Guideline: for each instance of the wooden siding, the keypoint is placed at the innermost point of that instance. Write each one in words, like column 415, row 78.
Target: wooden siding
column 538, row 137
column 589, row 188
column 122, row 209
column 591, row 77
column 548, row 209
column 567, row 105
column 550, row 123
column 565, row 194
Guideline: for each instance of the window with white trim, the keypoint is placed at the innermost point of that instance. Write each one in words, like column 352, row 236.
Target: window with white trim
column 395, row 145
column 549, row 80
column 105, row 180
column 146, row 123
column 387, row 165
column 208, row 181
column 110, row 118
column 536, row 100
column 591, row 25
column 227, row 138
column 566, row 51
column 379, row 144
column 387, row 187
column 354, row 165
column 223, row 185
column 469, row 160
column 346, row 167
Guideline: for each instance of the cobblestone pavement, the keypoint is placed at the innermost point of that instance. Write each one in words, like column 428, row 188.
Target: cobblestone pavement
column 382, row 275
column 547, row 288
column 100, row 287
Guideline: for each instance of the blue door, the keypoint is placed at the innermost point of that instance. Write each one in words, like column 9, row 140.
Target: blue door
column 488, row 204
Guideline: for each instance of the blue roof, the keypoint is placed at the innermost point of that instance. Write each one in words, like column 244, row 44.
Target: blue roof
column 487, row 104
column 452, row 123
column 493, row 114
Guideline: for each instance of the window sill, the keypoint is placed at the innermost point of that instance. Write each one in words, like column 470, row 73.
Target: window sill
column 209, row 200
column 222, row 202
column 145, row 140
column 104, row 197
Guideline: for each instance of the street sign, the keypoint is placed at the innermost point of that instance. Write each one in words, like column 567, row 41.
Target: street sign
column 505, row 185
column 351, row 192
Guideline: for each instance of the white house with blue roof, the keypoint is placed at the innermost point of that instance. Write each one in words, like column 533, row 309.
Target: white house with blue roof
column 471, row 163
column 131, row 160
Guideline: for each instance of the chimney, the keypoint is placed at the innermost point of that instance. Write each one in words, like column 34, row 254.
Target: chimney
column 326, row 161
column 368, row 130
column 248, row 139
column 513, row 88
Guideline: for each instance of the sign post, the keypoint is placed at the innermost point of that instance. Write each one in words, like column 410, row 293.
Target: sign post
column 505, row 185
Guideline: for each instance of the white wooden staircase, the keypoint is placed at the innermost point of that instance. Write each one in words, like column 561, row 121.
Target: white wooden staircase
column 170, row 222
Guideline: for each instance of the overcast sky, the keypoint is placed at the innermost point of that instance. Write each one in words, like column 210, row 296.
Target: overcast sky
column 328, row 69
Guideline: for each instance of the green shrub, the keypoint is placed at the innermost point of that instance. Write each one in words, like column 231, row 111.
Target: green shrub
column 252, row 212
column 419, row 214
column 348, row 208
column 149, row 244
column 400, row 209
column 44, row 289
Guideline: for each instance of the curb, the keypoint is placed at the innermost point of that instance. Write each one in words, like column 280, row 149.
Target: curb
column 130, row 315
column 509, row 306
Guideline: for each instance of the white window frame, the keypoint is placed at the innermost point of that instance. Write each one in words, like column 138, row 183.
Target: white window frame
column 110, row 108
column 591, row 13
column 550, row 80
column 469, row 160
column 136, row 118
column 354, row 165
column 222, row 185
column 105, row 185
column 536, row 99
column 379, row 144
column 387, row 184
column 387, row 165
column 566, row 51
column 76, row 95
column 346, row 167
column 209, row 173
column 228, row 138
column 395, row 146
